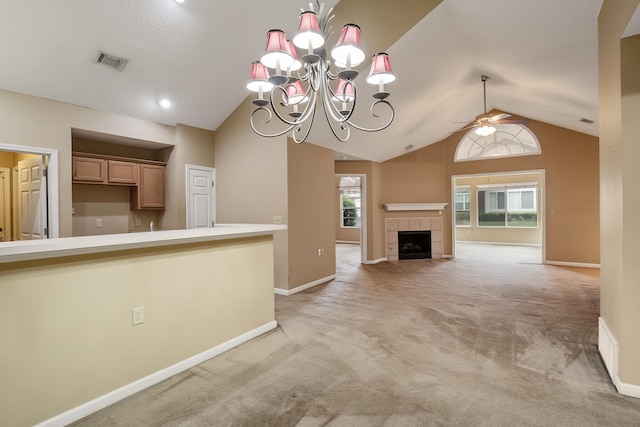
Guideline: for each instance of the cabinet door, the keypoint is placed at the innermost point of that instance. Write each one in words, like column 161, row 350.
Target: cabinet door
column 88, row 170
column 149, row 194
column 123, row 172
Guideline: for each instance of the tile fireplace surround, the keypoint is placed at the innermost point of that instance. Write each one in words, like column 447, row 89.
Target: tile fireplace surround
column 393, row 225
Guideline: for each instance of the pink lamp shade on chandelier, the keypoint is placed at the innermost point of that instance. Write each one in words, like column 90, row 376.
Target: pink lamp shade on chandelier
column 296, row 93
column 347, row 52
column 259, row 80
column 294, row 53
column 344, row 92
column 278, row 53
column 381, row 72
column 309, row 36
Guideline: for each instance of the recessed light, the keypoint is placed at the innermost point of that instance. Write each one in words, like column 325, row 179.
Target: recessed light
column 179, row 1
column 165, row 103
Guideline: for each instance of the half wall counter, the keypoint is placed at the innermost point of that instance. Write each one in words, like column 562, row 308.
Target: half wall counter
column 68, row 308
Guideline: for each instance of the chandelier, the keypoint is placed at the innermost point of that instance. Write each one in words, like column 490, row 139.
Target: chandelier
column 281, row 76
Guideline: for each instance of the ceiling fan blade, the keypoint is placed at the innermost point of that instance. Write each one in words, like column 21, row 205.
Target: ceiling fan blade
column 512, row 122
column 471, row 126
column 499, row 117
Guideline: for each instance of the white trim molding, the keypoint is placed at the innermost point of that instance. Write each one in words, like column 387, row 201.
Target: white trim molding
column 125, row 391
column 572, row 264
column 414, row 206
column 375, row 261
column 288, row 292
column 609, row 351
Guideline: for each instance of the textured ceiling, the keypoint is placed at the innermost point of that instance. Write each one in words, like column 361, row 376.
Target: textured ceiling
column 541, row 58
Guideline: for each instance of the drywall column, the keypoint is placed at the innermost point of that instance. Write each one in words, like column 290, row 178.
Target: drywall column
column 619, row 69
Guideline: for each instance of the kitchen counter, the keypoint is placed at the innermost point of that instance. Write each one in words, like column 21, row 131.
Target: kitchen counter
column 51, row 248
column 67, row 313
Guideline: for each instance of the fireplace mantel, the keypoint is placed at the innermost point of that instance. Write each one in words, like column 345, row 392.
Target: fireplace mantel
column 414, row 206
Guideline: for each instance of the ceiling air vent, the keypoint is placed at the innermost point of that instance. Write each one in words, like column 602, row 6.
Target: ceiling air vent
column 111, row 60
column 587, row 121
column 408, row 147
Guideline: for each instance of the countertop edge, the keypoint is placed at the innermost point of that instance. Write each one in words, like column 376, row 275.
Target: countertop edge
column 71, row 246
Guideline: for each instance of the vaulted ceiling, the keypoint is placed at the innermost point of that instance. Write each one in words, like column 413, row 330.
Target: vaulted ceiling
column 541, row 58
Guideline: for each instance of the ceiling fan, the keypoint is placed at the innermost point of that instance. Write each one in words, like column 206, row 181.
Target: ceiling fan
column 485, row 122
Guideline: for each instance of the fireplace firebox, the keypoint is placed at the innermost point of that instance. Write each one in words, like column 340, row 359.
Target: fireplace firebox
column 414, row 244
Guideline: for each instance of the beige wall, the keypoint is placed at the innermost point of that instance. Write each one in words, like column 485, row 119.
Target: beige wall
column 570, row 161
column 111, row 204
column 473, row 233
column 311, row 211
column 37, row 122
column 252, row 181
column 619, row 71
column 65, row 323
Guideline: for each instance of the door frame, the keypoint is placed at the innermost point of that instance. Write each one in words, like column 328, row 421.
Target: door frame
column 8, row 219
column 189, row 168
column 363, row 213
column 53, row 208
column 542, row 208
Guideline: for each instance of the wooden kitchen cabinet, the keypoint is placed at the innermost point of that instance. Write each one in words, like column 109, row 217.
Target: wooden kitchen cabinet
column 145, row 177
column 120, row 172
column 150, row 192
column 89, row 170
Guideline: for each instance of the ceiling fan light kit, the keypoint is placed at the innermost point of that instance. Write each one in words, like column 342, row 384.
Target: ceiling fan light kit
column 278, row 79
column 484, row 123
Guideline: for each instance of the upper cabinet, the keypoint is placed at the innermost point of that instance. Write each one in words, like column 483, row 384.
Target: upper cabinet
column 150, row 193
column 120, row 172
column 89, row 170
column 145, row 177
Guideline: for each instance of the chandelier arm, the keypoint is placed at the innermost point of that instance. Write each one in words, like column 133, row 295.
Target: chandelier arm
column 335, row 113
column 267, row 135
column 334, row 118
column 288, row 122
column 380, row 101
column 311, row 114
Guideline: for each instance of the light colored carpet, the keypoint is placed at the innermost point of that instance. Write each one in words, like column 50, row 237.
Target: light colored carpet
column 492, row 338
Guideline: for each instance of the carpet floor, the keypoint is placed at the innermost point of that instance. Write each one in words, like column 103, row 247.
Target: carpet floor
column 490, row 338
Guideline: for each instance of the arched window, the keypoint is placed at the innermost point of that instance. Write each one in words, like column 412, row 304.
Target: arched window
column 509, row 140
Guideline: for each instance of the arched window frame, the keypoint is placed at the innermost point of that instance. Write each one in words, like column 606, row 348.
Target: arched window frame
column 509, row 140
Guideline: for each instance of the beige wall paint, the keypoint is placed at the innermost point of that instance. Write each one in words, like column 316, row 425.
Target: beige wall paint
column 473, row 233
column 252, row 181
column 37, row 122
column 111, row 204
column 194, row 147
column 570, row 161
column 619, row 131
column 65, row 323
column 630, row 357
column 311, row 188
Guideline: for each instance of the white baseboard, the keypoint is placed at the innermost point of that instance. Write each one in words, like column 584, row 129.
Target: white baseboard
column 288, row 292
column 572, row 264
column 116, row 395
column 447, row 256
column 375, row 261
column 609, row 351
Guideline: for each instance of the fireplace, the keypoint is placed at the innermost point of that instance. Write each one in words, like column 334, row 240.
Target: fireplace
column 414, row 244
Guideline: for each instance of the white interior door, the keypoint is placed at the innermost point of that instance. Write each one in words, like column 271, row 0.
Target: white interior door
column 5, row 204
column 32, row 199
column 201, row 196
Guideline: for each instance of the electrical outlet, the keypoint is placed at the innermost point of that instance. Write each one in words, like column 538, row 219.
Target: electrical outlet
column 138, row 222
column 98, row 222
column 137, row 316
column 277, row 219
column 319, row 252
